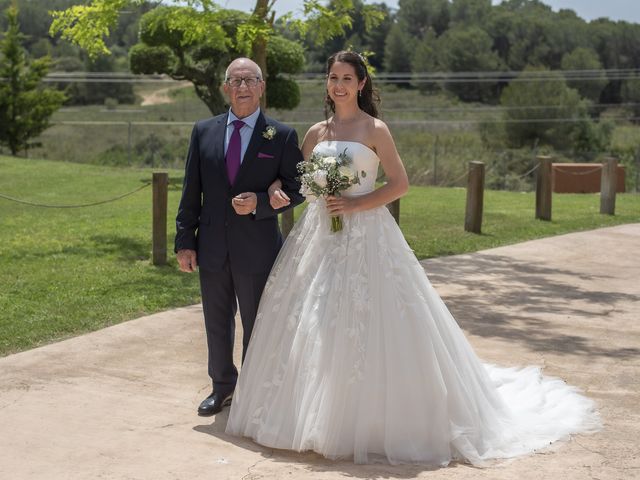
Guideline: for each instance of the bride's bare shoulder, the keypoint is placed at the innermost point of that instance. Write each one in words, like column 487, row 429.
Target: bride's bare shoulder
column 320, row 128
column 313, row 136
column 377, row 133
column 316, row 132
column 379, row 126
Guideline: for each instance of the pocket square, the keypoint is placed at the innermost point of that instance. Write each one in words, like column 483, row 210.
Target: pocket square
column 264, row 155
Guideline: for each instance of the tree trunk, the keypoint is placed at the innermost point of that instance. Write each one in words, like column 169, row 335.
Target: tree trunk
column 259, row 48
column 212, row 98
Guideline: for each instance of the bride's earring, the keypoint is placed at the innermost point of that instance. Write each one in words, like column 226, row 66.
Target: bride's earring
column 360, row 93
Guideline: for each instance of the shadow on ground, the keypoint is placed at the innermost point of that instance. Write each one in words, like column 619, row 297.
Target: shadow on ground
column 494, row 291
column 313, row 462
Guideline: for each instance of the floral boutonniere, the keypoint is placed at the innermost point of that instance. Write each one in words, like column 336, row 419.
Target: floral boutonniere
column 269, row 132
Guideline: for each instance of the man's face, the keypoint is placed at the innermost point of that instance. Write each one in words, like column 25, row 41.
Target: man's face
column 245, row 97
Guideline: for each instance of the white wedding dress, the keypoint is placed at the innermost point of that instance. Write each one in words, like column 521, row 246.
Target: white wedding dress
column 354, row 355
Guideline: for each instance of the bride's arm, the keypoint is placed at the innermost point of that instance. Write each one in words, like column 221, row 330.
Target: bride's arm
column 310, row 140
column 279, row 199
column 397, row 182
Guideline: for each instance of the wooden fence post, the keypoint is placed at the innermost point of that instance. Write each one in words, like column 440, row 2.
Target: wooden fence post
column 608, row 185
column 475, row 198
column 543, row 189
column 394, row 209
column 287, row 222
column 160, row 187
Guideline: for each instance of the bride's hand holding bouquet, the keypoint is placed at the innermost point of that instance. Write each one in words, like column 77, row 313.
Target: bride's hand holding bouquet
column 328, row 176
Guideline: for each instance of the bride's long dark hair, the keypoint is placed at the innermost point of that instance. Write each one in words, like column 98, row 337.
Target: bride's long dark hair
column 369, row 99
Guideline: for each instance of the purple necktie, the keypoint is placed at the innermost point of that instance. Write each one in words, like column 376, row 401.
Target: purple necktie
column 234, row 150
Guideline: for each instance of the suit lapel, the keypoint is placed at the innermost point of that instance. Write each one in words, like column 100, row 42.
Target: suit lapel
column 251, row 154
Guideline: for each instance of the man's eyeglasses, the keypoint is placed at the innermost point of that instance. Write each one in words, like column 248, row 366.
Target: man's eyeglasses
column 248, row 81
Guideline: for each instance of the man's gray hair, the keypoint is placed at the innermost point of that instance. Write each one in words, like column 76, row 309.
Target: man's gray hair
column 259, row 73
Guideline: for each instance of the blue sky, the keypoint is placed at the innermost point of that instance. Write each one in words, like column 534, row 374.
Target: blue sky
column 628, row 10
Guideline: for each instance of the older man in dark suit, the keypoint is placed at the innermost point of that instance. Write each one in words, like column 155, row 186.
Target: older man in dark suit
column 225, row 224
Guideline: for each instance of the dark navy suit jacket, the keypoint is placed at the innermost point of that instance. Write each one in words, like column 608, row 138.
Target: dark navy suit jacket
column 206, row 221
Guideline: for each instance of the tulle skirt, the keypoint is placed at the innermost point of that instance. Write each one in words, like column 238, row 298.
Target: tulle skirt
column 355, row 355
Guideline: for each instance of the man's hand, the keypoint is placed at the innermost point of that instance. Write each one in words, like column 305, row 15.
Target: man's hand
column 187, row 260
column 278, row 199
column 244, row 203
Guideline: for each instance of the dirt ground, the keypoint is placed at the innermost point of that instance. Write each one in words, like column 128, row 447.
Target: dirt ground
column 120, row 403
column 161, row 95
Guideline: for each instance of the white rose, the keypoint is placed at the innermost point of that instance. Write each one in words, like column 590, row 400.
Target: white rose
column 329, row 161
column 347, row 172
column 320, row 178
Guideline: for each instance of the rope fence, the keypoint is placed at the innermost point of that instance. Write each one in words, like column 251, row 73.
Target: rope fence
column 530, row 171
column 83, row 205
column 588, row 172
column 475, row 173
column 160, row 194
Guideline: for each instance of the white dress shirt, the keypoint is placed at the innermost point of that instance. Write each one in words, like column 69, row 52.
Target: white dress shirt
column 245, row 132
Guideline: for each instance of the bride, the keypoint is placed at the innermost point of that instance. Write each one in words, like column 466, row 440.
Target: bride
column 354, row 354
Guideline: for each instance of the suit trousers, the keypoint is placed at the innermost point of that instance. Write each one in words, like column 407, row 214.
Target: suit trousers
column 220, row 289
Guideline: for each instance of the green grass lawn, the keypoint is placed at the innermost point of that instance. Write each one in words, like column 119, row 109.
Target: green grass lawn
column 68, row 271
column 432, row 219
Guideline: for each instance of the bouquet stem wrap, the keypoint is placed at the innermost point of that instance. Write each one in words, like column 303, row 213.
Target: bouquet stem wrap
column 336, row 223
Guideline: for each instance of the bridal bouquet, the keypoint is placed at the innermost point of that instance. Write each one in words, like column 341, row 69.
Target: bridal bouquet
column 325, row 176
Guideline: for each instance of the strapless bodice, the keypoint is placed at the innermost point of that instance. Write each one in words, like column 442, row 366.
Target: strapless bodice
column 365, row 162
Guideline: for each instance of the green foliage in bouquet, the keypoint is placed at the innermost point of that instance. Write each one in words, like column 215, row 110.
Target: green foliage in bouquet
column 325, row 175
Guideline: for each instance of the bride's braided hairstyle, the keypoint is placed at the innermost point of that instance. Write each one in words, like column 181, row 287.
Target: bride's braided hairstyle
column 369, row 99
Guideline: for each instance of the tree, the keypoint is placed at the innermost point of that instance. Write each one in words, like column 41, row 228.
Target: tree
column 617, row 44
column 25, row 107
column 468, row 49
column 470, row 12
column 410, row 41
column 528, row 32
column 565, row 32
column 165, row 50
column 539, row 110
column 546, row 111
column 374, row 39
column 585, row 59
column 631, row 95
column 424, row 60
column 284, row 57
column 33, row 18
column 418, row 16
column 357, row 37
column 204, row 27
column 399, row 49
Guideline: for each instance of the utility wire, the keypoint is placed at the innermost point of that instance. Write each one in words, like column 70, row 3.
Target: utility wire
column 487, row 108
column 382, row 77
column 390, row 121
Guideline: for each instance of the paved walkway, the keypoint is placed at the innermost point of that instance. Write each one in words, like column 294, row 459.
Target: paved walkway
column 120, row 403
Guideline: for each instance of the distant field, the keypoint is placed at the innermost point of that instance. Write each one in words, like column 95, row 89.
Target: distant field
column 68, row 271
column 436, row 135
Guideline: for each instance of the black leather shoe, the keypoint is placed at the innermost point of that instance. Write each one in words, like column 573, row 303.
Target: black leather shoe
column 213, row 404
